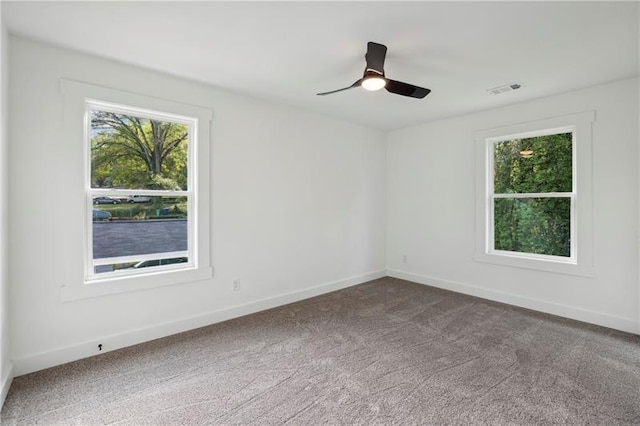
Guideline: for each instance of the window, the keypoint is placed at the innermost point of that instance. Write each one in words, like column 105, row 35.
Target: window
column 534, row 195
column 139, row 190
column 142, row 176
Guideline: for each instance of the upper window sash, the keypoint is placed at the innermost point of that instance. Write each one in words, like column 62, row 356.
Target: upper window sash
column 492, row 141
column 190, row 122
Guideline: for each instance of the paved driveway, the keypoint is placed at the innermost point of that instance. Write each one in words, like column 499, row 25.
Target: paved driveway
column 129, row 238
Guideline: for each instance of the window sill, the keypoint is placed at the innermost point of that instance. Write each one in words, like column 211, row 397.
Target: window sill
column 545, row 265
column 116, row 285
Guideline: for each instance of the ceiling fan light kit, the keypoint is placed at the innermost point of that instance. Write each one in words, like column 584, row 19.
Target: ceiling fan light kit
column 374, row 77
column 373, row 82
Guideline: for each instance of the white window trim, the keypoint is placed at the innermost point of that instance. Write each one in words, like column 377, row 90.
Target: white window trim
column 77, row 285
column 581, row 260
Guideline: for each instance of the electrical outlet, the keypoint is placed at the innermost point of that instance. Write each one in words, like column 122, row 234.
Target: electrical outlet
column 236, row 284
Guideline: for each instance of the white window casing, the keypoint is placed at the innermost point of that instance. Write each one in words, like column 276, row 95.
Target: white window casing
column 80, row 279
column 580, row 262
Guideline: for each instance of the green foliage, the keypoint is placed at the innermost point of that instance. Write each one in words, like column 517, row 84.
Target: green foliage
column 533, row 225
column 548, row 168
column 137, row 153
column 533, row 165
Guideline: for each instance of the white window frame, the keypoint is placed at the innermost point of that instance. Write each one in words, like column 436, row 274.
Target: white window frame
column 580, row 261
column 190, row 194
column 80, row 281
column 491, row 143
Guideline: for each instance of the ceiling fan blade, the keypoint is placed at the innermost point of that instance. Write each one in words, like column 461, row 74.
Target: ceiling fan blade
column 406, row 89
column 356, row 84
column 375, row 57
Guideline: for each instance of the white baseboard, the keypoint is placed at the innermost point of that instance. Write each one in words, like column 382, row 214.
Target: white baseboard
column 584, row 315
column 6, row 384
column 40, row 361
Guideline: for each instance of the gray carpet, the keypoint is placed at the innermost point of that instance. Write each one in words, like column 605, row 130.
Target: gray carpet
column 384, row 352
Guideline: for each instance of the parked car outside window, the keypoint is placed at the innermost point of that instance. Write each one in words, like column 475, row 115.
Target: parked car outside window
column 139, row 199
column 159, row 262
column 105, row 200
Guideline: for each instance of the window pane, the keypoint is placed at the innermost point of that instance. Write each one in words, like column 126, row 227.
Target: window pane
column 531, row 165
column 133, row 152
column 134, row 229
column 533, row 225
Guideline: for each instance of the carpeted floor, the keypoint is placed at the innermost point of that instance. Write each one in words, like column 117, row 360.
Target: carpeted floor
column 384, row 352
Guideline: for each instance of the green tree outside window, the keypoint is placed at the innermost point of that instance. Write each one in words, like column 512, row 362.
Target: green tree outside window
column 533, row 181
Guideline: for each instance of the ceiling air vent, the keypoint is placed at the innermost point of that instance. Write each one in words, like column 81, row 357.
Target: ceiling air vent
column 502, row 89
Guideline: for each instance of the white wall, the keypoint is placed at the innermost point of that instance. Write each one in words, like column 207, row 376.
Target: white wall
column 431, row 208
column 298, row 208
column 300, row 203
column 6, row 366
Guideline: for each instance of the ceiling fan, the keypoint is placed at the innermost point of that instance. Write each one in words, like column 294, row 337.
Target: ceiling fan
column 374, row 78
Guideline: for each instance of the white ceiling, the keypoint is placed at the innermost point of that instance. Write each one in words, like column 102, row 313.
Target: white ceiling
column 286, row 52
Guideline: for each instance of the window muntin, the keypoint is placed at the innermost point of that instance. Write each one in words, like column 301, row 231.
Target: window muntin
column 532, row 195
column 143, row 161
